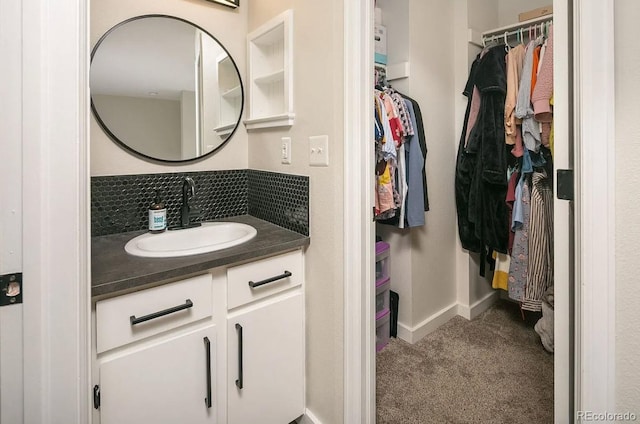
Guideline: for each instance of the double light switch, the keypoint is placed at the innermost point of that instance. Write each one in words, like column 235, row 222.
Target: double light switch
column 318, row 150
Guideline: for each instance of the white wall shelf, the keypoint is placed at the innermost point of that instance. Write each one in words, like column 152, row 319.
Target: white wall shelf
column 232, row 92
column 270, row 75
column 224, row 130
column 230, row 96
column 270, row 78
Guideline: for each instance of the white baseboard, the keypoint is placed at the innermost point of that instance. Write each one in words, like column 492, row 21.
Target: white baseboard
column 309, row 418
column 432, row 323
column 414, row 334
column 471, row 311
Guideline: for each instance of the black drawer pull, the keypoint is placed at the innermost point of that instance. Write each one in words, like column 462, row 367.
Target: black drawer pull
column 269, row 280
column 188, row 304
column 207, row 346
column 239, row 381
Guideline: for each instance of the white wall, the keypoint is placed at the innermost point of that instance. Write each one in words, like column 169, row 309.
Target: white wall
column 228, row 25
column 318, row 98
column 627, row 81
column 123, row 116
column 431, row 84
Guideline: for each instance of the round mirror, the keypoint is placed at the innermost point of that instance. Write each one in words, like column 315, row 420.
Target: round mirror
column 165, row 89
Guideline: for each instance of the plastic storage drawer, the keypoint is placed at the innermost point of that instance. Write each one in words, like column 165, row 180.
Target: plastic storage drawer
column 382, row 297
column 382, row 261
column 382, row 331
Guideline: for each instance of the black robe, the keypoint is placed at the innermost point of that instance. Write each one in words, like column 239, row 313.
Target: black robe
column 481, row 167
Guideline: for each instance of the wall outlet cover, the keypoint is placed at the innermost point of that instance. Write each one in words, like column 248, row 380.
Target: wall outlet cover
column 285, row 150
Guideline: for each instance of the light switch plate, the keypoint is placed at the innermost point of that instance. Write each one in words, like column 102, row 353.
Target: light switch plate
column 285, row 150
column 319, row 150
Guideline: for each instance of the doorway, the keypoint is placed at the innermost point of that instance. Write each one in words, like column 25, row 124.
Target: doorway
column 435, row 277
column 565, row 390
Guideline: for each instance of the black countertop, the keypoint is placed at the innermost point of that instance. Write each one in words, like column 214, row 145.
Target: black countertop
column 113, row 270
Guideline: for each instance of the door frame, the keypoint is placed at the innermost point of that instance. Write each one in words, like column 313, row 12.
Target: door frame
column 11, row 322
column 594, row 385
column 359, row 229
column 594, row 156
column 54, row 100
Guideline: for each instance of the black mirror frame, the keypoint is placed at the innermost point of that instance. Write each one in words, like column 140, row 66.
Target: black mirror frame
column 121, row 143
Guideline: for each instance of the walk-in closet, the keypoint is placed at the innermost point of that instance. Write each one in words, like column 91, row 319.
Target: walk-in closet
column 471, row 121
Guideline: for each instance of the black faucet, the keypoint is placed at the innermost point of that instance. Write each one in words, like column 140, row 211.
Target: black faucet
column 186, row 212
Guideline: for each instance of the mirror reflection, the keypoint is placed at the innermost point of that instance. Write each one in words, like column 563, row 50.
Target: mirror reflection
column 165, row 88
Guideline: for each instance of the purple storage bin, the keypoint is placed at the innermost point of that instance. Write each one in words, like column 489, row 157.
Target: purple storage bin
column 382, row 330
column 382, row 261
column 382, row 296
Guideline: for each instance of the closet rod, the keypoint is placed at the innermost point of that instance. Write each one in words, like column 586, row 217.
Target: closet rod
column 538, row 29
column 516, row 27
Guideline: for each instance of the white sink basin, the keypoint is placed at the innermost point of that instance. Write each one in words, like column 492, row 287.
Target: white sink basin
column 209, row 237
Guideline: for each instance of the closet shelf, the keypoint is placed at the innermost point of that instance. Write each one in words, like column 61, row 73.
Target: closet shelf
column 398, row 70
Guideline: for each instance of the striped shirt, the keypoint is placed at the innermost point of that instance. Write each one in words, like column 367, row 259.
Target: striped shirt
column 540, row 270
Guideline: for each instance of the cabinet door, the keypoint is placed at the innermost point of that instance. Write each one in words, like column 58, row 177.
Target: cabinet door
column 167, row 382
column 266, row 342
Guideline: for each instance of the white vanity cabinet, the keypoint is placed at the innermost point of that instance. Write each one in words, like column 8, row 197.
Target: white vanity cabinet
column 265, row 339
column 166, row 382
column 158, row 355
column 222, row 347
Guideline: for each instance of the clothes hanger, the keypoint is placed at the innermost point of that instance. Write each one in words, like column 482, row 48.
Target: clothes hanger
column 507, row 47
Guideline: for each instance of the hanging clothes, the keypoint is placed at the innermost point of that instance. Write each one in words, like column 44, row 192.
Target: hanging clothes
column 519, row 266
column 422, row 141
column 403, row 169
column 504, row 201
column 524, row 110
column 515, row 61
column 543, row 92
column 540, row 270
column 415, row 200
column 481, row 167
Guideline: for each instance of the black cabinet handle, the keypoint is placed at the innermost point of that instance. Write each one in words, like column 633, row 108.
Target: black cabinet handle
column 269, row 280
column 239, row 380
column 207, row 347
column 188, row 304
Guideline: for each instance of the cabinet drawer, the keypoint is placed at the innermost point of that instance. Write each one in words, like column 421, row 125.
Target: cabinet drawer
column 124, row 319
column 258, row 274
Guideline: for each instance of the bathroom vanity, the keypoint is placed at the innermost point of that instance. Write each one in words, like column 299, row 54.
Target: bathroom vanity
column 208, row 338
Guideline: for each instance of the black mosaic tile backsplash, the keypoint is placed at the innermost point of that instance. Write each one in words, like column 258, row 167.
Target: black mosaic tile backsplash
column 120, row 203
column 282, row 199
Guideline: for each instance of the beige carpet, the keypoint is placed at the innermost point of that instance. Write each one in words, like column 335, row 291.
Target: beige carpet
column 489, row 370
